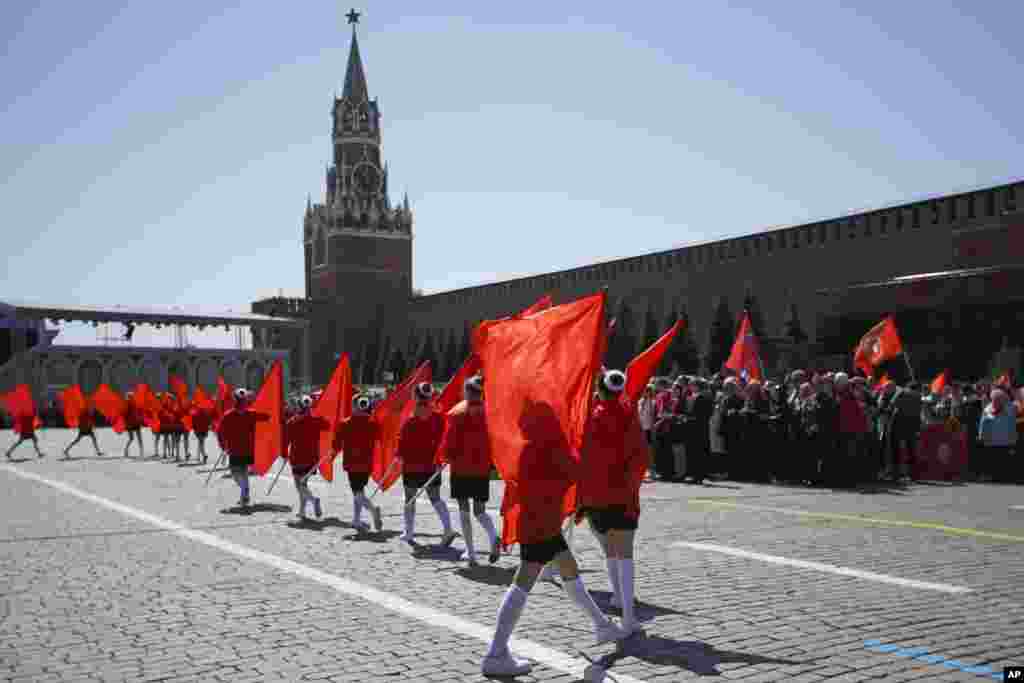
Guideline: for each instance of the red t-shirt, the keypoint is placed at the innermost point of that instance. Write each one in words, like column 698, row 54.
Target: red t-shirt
column 237, row 432
column 302, row 438
column 465, row 445
column 86, row 421
column 613, row 459
column 356, row 437
column 418, row 442
column 201, row 420
column 25, row 425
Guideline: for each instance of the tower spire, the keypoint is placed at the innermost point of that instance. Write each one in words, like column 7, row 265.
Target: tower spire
column 355, row 79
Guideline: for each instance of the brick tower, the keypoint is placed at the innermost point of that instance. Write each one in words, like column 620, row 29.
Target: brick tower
column 358, row 247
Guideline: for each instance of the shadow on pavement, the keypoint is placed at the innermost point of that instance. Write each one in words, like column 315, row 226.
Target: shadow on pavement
column 191, row 464
column 90, row 457
column 258, row 507
column 645, row 611
column 15, row 460
column 438, row 553
column 692, row 655
column 491, row 575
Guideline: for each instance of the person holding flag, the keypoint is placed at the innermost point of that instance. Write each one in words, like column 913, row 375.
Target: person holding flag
column 465, row 447
column 613, row 461
column 237, row 435
column 355, row 439
column 133, row 424
column 540, row 372
column 302, row 449
column 202, row 419
column 417, row 444
column 86, row 426
column 21, row 406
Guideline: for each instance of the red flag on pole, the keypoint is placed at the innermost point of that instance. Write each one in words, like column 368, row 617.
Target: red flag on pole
column 269, row 401
column 73, row 402
column 452, row 394
column 21, row 406
column 746, row 351
column 389, row 415
column 539, row 372
column 200, row 399
column 881, row 343
column 111, row 405
column 224, row 402
column 147, row 404
column 333, row 406
column 180, row 390
column 641, row 369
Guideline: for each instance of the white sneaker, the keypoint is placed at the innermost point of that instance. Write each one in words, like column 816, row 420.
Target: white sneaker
column 505, row 666
column 407, row 538
column 606, row 633
column 378, row 521
column 466, row 557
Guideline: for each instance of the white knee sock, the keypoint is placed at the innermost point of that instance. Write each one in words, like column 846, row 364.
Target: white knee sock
column 442, row 512
column 577, row 592
column 508, row 615
column 488, row 524
column 467, row 531
column 626, row 582
column 410, row 520
column 613, row 577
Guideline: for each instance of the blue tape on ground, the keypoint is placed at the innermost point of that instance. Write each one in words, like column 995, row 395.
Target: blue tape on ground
column 921, row 654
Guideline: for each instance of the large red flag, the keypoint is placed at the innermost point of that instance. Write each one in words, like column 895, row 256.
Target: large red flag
column 111, row 405
column 746, row 352
column 148, row 405
column 452, row 394
column 180, row 390
column 641, row 369
column 540, row 371
column 389, row 415
column 20, row 404
column 541, row 304
column 881, row 343
column 225, row 400
column 200, row 399
column 333, row 406
column 269, row 401
column 73, row 402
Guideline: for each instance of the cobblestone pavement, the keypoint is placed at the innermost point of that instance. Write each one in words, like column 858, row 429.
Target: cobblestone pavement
column 93, row 591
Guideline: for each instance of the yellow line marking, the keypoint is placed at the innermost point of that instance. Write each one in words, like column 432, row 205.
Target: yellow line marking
column 867, row 520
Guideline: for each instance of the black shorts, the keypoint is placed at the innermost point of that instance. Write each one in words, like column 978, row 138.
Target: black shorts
column 418, row 481
column 240, row 460
column 358, row 481
column 613, row 517
column 543, row 552
column 471, row 488
column 301, row 471
column 84, row 432
column 201, row 435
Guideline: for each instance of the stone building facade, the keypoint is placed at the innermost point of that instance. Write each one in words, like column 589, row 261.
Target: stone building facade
column 358, row 261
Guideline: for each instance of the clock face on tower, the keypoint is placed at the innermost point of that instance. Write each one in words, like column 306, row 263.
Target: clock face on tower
column 366, row 179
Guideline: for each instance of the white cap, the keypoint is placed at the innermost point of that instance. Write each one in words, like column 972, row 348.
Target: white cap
column 474, row 384
column 614, row 381
column 241, row 394
column 424, row 390
column 306, row 401
column 361, row 403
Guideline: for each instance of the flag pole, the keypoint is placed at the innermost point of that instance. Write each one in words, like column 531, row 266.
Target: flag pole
column 315, row 469
column 277, row 476
column 387, row 472
column 214, row 468
column 427, row 485
column 906, row 359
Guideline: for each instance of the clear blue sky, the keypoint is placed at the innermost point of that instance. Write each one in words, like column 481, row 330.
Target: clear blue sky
column 161, row 153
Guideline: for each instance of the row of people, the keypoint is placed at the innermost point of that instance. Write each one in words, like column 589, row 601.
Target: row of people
column 824, row 429
column 608, row 475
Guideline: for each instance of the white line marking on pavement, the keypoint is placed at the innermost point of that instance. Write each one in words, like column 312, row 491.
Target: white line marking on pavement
column 818, row 566
column 526, row 648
